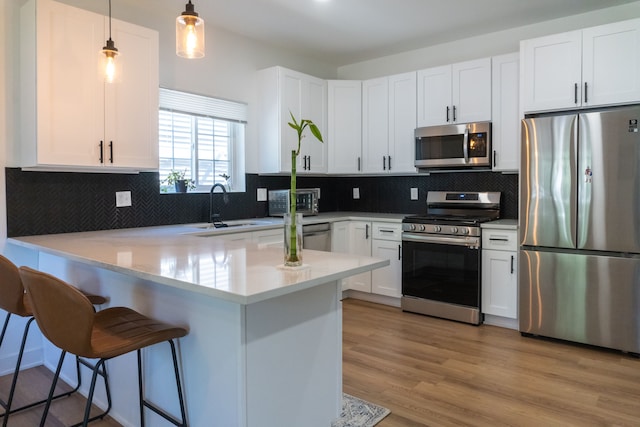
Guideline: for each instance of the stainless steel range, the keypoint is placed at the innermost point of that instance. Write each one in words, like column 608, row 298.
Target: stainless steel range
column 441, row 255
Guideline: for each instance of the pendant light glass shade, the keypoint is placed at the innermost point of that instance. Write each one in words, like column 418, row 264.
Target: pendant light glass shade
column 189, row 34
column 110, row 52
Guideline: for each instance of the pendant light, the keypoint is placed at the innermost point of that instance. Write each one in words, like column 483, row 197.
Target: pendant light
column 110, row 52
column 189, row 33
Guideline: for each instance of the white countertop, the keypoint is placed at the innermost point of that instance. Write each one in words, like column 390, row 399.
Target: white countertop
column 177, row 256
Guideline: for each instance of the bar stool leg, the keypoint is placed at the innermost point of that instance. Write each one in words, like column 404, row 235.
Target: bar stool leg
column 45, row 412
column 144, row 403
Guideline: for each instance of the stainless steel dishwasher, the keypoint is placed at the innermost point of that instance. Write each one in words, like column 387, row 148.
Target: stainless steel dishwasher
column 317, row 237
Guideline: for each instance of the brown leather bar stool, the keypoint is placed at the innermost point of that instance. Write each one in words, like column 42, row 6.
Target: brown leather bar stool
column 65, row 316
column 14, row 301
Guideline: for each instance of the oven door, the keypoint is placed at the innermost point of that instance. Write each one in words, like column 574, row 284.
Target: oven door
column 442, row 269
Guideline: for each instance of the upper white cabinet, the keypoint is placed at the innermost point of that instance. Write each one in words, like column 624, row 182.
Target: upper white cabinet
column 282, row 92
column 388, row 123
column 591, row 67
column 70, row 117
column 344, row 136
column 505, row 113
column 457, row 93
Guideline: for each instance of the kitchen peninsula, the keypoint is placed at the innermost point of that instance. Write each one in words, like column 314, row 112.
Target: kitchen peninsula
column 264, row 344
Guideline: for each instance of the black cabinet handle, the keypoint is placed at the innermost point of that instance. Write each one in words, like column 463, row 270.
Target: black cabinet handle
column 494, row 158
column 358, row 164
column 399, row 251
column 111, row 152
column 366, row 232
column 384, row 163
column 447, row 113
column 512, row 258
column 575, row 93
column 454, row 113
column 586, row 99
column 389, row 162
column 101, row 152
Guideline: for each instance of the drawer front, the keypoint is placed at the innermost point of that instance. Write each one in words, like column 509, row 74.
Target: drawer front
column 387, row 231
column 505, row 240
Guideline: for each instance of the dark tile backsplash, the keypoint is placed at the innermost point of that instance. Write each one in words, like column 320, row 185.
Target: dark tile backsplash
column 62, row 202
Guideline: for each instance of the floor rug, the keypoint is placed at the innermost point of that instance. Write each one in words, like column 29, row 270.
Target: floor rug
column 359, row 413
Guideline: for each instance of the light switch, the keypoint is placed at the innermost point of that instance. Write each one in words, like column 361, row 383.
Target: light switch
column 414, row 193
column 123, row 199
column 262, row 194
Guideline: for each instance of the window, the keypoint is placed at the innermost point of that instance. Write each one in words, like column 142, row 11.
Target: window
column 202, row 136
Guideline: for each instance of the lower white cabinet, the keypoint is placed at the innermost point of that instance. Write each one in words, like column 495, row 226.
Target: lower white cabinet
column 500, row 272
column 359, row 244
column 376, row 239
column 387, row 280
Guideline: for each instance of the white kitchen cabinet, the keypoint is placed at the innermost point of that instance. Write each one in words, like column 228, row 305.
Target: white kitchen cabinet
column 284, row 91
column 340, row 236
column 70, row 117
column 344, row 135
column 456, row 93
column 585, row 68
column 505, row 132
column 500, row 272
column 387, row 244
column 359, row 244
column 340, row 242
column 388, row 124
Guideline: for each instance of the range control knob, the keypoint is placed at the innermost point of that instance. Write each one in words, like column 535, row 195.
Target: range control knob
column 412, row 227
column 454, row 230
column 465, row 231
column 437, row 228
column 422, row 227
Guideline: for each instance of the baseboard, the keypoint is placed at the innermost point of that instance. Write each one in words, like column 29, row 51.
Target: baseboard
column 378, row 299
column 30, row 359
column 503, row 322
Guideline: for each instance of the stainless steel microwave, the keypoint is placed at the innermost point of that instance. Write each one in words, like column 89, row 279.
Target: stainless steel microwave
column 307, row 201
column 465, row 145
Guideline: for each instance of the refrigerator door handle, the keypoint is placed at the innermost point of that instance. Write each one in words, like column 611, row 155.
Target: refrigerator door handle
column 575, row 93
column 465, row 145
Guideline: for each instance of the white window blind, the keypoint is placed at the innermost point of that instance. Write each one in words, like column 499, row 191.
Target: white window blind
column 203, row 105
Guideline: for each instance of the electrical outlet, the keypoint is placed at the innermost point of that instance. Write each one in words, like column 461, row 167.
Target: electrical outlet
column 356, row 193
column 262, row 194
column 123, row 199
column 414, row 193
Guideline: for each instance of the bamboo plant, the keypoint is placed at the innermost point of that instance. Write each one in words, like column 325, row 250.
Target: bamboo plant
column 299, row 127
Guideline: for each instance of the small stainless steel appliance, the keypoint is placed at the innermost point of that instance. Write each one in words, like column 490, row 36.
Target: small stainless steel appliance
column 466, row 145
column 306, row 198
column 441, row 255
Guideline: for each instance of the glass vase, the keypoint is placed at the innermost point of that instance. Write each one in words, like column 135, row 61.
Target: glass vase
column 292, row 240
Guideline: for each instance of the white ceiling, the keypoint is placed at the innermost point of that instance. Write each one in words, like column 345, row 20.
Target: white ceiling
column 347, row 31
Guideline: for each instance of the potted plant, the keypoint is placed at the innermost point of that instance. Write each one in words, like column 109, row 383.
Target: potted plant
column 178, row 179
column 292, row 256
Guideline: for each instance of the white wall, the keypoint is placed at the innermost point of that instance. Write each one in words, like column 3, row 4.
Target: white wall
column 482, row 46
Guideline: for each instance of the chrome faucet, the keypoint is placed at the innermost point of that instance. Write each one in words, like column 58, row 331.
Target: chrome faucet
column 215, row 217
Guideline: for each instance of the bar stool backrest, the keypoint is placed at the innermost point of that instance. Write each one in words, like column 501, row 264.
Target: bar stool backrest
column 11, row 289
column 63, row 313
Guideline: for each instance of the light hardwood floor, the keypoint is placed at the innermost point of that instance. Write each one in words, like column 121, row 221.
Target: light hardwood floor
column 33, row 385
column 433, row 372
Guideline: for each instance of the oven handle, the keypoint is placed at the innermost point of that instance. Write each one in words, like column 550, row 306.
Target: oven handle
column 471, row 242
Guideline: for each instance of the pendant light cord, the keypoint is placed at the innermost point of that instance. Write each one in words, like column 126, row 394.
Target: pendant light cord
column 109, row 19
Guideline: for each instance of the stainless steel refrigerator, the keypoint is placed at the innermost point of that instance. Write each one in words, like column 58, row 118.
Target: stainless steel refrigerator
column 580, row 227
